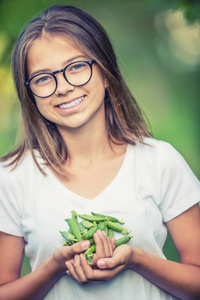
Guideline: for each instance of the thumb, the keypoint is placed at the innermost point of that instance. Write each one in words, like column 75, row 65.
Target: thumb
column 109, row 263
column 79, row 247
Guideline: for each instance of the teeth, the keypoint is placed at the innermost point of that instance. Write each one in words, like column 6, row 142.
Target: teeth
column 71, row 104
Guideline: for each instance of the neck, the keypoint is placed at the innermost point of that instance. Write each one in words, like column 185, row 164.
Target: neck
column 86, row 145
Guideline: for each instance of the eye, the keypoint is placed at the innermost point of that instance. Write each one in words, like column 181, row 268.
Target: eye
column 76, row 67
column 42, row 79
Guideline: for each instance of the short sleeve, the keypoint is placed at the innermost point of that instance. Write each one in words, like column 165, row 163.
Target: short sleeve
column 180, row 188
column 10, row 202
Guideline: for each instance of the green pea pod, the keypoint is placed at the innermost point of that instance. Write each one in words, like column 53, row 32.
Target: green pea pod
column 89, row 233
column 113, row 219
column 91, row 218
column 89, row 260
column 74, row 215
column 90, row 250
column 89, row 253
column 122, row 240
column 75, row 229
column 68, row 236
column 64, row 234
column 67, row 243
column 101, row 226
column 91, row 241
column 69, row 230
column 87, row 224
column 106, row 230
column 116, row 227
column 80, row 226
column 110, row 233
column 84, row 231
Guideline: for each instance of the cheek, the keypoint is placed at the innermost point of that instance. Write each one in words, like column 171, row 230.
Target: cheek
column 99, row 93
column 98, row 87
column 41, row 106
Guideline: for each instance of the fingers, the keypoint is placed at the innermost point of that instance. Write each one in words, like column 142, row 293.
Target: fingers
column 66, row 253
column 107, row 263
column 104, row 247
column 122, row 256
column 76, row 248
column 75, row 270
column 82, row 272
column 78, row 269
column 107, row 266
column 113, row 243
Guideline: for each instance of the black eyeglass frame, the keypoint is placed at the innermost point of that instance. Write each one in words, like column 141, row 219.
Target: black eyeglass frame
column 89, row 62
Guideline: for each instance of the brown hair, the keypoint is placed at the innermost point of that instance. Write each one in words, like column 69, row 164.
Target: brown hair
column 125, row 122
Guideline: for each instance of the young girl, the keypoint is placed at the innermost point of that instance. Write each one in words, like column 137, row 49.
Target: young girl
column 86, row 147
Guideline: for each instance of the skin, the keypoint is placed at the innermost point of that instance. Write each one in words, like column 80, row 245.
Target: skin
column 179, row 279
column 36, row 284
column 83, row 127
column 84, row 130
column 62, row 52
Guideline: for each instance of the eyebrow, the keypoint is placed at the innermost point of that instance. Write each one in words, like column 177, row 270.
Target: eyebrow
column 65, row 63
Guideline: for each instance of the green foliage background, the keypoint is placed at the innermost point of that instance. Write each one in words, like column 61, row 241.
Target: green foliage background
column 158, row 48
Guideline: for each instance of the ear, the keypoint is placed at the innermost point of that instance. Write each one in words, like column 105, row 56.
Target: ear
column 105, row 83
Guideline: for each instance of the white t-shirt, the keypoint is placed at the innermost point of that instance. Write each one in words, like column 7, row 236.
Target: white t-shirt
column 153, row 186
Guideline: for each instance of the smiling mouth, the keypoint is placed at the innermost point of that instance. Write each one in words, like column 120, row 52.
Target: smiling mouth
column 71, row 104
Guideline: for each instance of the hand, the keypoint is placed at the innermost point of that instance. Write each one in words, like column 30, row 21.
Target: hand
column 108, row 267
column 122, row 258
column 104, row 249
column 104, row 246
column 66, row 253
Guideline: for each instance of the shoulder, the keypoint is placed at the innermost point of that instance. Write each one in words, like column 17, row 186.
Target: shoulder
column 153, row 152
column 160, row 160
column 152, row 145
column 162, row 170
column 160, row 152
column 23, row 172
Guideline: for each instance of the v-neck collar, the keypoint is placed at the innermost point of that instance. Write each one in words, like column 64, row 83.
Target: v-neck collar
column 65, row 189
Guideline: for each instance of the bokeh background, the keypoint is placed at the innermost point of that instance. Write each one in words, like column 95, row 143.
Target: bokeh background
column 157, row 43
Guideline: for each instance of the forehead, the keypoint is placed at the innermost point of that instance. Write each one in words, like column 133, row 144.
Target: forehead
column 46, row 51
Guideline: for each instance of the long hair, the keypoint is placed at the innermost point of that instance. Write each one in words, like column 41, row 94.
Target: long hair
column 124, row 120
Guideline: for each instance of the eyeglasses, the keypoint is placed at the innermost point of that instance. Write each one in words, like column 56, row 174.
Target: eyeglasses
column 76, row 74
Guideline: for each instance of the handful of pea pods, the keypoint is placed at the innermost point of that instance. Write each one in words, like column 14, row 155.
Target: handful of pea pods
column 86, row 228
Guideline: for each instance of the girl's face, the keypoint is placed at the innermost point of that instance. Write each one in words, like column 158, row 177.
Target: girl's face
column 69, row 107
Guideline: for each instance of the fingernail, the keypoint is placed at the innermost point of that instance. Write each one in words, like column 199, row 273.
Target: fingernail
column 101, row 263
column 96, row 234
column 67, row 265
column 85, row 244
column 82, row 256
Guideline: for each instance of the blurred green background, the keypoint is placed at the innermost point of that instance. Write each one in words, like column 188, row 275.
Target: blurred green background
column 157, row 43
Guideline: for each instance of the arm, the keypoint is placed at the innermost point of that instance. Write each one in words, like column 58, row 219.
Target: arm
column 179, row 279
column 37, row 284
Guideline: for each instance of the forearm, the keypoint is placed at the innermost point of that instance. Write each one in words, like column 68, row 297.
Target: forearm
column 180, row 280
column 33, row 286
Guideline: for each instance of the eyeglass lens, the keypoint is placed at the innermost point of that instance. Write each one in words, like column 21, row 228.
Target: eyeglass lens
column 76, row 74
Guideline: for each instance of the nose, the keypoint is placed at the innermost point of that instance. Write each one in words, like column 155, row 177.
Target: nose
column 63, row 87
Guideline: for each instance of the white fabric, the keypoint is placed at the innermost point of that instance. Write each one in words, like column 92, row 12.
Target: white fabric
column 153, row 186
